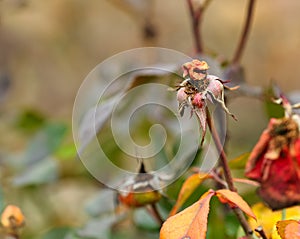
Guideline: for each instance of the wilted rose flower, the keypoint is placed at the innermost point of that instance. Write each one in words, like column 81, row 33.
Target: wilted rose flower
column 197, row 87
column 275, row 163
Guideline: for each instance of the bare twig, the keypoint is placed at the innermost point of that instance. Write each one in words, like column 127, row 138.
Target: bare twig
column 154, row 212
column 227, row 173
column 223, row 158
column 261, row 232
column 245, row 33
column 196, row 16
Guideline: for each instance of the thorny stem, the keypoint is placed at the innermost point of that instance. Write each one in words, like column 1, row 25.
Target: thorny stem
column 196, row 15
column 245, row 33
column 227, row 173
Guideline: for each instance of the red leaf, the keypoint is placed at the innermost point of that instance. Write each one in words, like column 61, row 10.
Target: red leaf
column 188, row 187
column 254, row 164
column 234, row 200
column 190, row 223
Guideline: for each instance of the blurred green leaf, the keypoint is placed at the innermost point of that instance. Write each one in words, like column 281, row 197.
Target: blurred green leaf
column 57, row 233
column 71, row 235
column 94, row 207
column 44, row 171
column 1, row 200
column 45, row 142
column 144, row 220
column 30, row 120
column 98, row 228
column 239, row 162
column 273, row 110
column 100, row 115
column 68, row 151
column 231, row 225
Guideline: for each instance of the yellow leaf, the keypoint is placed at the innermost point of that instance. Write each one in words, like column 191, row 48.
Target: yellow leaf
column 268, row 218
column 288, row 229
column 191, row 223
column 188, row 187
column 233, row 199
column 239, row 162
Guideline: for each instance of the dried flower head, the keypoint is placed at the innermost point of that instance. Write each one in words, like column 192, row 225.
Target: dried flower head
column 197, row 87
column 12, row 218
column 139, row 190
column 275, row 161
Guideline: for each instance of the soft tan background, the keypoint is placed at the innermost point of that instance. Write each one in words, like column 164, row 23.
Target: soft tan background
column 49, row 46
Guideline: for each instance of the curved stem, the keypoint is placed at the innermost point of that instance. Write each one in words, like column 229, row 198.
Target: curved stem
column 156, row 215
column 223, row 158
column 227, row 173
column 245, row 33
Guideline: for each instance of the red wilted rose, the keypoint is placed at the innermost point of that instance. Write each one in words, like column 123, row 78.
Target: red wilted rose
column 275, row 163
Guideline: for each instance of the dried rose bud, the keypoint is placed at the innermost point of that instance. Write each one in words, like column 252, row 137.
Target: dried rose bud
column 195, row 70
column 12, row 218
column 275, row 163
column 197, row 87
column 134, row 199
column 139, row 191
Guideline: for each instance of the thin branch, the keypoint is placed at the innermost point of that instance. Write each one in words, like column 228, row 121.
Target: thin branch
column 218, row 179
column 196, row 16
column 227, row 173
column 155, row 213
column 245, row 33
column 223, row 158
column 261, row 232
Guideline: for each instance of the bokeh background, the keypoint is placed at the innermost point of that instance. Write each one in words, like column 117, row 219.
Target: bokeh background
column 48, row 47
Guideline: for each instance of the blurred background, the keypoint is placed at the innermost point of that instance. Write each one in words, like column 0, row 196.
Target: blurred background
column 48, row 47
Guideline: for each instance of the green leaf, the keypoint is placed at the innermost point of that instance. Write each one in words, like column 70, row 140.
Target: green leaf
column 144, row 220
column 44, row 171
column 239, row 162
column 100, row 114
column 30, row 120
column 98, row 228
column 273, row 110
column 1, row 200
column 45, row 142
column 57, row 233
column 65, row 152
column 94, row 207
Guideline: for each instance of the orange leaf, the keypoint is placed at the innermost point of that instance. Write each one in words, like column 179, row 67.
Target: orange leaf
column 234, row 200
column 288, row 229
column 188, row 187
column 190, row 223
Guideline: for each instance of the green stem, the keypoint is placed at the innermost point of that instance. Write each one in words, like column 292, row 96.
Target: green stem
column 283, row 214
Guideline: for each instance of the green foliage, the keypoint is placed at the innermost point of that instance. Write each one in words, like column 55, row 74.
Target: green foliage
column 273, row 110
